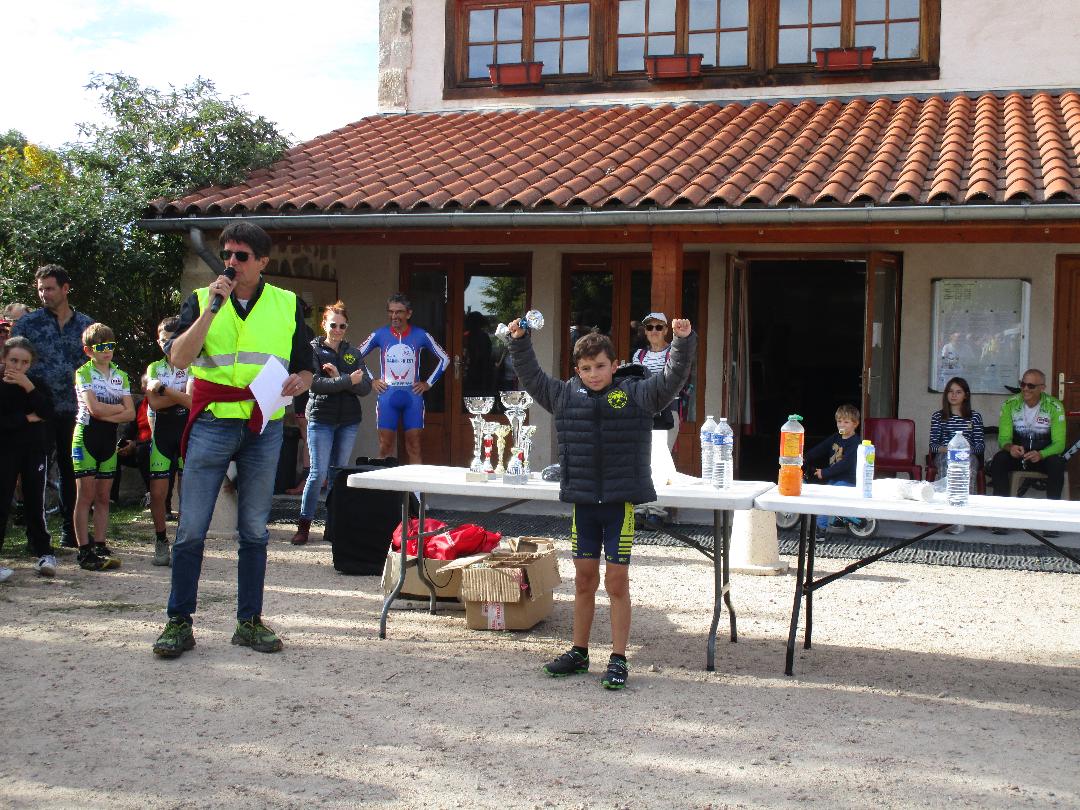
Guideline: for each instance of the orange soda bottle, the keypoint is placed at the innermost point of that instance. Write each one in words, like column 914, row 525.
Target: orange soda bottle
column 792, row 436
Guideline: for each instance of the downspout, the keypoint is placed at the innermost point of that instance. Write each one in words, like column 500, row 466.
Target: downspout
column 207, row 255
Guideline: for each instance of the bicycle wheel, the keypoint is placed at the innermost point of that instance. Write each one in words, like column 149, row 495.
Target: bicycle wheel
column 861, row 527
column 787, row 520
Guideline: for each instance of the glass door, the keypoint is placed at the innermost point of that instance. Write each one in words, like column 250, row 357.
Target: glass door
column 880, row 342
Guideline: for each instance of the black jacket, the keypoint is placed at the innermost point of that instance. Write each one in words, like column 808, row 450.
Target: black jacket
column 605, row 437
column 15, row 403
column 335, row 400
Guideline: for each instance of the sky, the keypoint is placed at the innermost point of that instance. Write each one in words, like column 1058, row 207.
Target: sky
column 309, row 67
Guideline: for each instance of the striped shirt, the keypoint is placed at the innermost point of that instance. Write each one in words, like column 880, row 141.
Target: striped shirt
column 941, row 432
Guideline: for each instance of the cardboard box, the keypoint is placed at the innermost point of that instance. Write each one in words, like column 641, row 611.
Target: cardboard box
column 509, row 590
column 447, row 583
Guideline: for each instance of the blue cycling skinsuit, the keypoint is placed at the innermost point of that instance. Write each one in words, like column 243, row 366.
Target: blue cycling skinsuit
column 400, row 361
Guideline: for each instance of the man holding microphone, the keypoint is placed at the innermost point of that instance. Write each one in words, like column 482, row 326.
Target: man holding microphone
column 225, row 348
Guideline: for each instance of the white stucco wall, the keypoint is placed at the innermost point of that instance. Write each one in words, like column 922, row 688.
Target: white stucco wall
column 986, row 45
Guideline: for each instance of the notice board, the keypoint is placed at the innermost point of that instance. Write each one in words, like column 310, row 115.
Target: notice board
column 979, row 331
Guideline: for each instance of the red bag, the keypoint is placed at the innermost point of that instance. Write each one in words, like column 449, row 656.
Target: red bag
column 450, row 544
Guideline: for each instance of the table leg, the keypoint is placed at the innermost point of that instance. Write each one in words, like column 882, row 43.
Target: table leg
column 421, row 569
column 718, row 590
column 401, row 568
column 808, row 586
column 729, row 519
column 793, row 629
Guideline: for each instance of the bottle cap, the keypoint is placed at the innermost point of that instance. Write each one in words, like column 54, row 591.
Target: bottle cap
column 866, row 442
column 795, row 416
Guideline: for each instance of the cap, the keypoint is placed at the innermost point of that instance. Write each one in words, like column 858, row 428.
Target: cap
column 655, row 316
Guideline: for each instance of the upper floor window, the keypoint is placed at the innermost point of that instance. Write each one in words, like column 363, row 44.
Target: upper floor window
column 891, row 26
column 555, row 33
column 717, row 29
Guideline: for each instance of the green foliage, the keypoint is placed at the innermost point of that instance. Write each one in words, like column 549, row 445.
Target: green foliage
column 78, row 207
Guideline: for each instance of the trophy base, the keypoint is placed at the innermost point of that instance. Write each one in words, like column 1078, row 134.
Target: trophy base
column 475, row 477
column 510, row 478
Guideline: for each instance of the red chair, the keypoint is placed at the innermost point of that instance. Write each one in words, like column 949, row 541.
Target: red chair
column 894, row 446
column 980, row 476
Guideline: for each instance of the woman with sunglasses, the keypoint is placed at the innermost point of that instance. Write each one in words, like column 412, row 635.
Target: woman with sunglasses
column 333, row 410
column 654, row 358
column 956, row 416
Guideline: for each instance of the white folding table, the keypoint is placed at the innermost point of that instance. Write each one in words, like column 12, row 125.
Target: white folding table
column 1034, row 516
column 425, row 479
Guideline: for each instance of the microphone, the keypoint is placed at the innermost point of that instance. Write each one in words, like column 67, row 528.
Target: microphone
column 215, row 305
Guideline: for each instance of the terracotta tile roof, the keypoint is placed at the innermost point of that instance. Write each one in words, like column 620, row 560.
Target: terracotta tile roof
column 959, row 150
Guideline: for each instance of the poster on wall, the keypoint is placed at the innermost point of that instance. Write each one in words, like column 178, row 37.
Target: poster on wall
column 979, row 331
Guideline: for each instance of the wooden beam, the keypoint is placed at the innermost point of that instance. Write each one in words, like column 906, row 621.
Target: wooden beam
column 667, row 274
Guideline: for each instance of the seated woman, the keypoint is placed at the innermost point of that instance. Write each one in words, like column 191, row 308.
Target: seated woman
column 956, row 416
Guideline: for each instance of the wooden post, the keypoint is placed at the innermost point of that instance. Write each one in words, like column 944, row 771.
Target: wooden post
column 667, row 275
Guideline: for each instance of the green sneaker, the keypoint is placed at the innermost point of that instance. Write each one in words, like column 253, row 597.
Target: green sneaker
column 175, row 639
column 570, row 662
column 256, row 635
column 616, row 675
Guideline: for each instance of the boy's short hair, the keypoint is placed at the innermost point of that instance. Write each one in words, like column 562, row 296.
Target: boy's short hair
column 54, row 271
column 249, row 234
column 848, row 412
column 97, row 333
column 593, row 345
column 170, row 324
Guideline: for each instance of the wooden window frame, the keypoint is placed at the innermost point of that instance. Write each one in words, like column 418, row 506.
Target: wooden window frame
column 603, row 75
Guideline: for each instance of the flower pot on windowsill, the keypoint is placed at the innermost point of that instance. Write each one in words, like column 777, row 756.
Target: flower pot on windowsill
column 673, row 66
column 830, row 60
column 516, row 74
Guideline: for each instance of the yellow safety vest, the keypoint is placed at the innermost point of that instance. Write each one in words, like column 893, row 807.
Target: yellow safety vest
column 236, row 348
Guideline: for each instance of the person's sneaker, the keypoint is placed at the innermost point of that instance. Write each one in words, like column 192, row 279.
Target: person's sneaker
column 616, row 675
column 161, row 553
column 90, row 561
column 570, row 662
column 46, row 566
column 101, row 550
column 68, row 540
column 999, row 530
column 5, row 573
column 256, row 635
column 175, row 639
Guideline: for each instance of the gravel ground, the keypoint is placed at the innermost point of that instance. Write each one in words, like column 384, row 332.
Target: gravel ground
column 927, row 686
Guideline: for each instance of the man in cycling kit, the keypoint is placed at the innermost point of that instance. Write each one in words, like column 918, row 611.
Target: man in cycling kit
column 401, row 393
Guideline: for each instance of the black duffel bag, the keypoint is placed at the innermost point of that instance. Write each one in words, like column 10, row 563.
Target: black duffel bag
column 360, row 522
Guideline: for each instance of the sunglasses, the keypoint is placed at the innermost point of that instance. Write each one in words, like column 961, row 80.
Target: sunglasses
column 341, row 326
column 241, row 255
column 1031, row 386
column 654, row 327
column 103, row 347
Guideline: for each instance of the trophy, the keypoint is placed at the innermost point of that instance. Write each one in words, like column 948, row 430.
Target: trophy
column 517, row 405
column 489, row 445
column 527, row 433
column 478, row 406
column 501, row 432
column 533, row 319
column 515, row 468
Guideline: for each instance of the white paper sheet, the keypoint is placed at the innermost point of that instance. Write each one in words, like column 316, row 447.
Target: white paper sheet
column 267, row 389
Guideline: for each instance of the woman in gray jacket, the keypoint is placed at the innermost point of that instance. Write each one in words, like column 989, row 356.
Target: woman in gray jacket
column 333, row 410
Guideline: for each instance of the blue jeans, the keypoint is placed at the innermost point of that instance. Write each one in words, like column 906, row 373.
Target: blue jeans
column 213, row 443
column 823, row 520
column 330, row 447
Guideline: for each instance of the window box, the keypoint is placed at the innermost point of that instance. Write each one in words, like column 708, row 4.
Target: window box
column 673, row 66
column 516, row 74
column 842, row 59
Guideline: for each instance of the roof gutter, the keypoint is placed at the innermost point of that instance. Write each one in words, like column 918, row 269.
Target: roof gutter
column 652, row 217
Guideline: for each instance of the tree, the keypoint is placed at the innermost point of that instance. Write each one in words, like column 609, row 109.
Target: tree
column 77, row 207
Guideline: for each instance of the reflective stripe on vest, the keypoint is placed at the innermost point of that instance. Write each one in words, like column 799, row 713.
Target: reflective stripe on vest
column 236, row 348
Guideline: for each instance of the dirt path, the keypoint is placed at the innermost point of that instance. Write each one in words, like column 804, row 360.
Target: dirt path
column 927, row 686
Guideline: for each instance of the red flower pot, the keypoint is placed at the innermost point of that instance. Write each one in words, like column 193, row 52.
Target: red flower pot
column 841, row 59
column 673, row 66
column 515, row 74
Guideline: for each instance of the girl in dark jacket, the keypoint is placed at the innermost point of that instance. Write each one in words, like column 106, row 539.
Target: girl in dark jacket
column 25, row 407
column 333, row 410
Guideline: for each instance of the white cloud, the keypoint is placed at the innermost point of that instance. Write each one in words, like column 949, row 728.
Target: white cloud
column 310, row 67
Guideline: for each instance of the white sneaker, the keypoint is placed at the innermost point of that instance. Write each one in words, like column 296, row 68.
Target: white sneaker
column 46, row 566
column 5, row 573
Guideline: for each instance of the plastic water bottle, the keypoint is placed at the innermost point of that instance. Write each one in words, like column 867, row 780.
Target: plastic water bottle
column 723, row 463
column 958, row 485
column 864, row 469
column 792, row 436
column 708, row 427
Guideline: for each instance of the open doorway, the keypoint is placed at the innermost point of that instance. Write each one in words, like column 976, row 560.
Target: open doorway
column 806, row 337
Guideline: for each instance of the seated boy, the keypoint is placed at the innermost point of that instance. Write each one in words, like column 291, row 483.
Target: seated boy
column 833, row 460
column 104, row 395
column 604, row 427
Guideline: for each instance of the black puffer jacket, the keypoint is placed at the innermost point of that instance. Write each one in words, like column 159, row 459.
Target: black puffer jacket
column 605, row 437
column 335, row 400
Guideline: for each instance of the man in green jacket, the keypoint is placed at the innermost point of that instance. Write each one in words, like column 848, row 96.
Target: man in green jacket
column 1031, row 432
